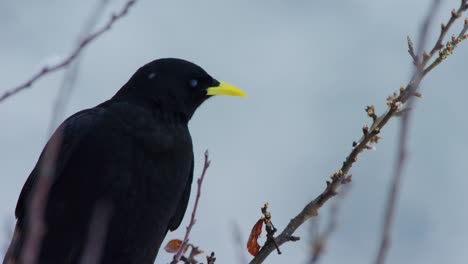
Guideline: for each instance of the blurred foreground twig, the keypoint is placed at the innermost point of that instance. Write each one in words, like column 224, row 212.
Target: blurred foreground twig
column 183, row 247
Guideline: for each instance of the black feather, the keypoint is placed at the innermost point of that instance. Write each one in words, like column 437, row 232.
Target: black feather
column 132, row 153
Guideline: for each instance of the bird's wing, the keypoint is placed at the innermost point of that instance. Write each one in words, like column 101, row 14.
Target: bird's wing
column 104, row 157
column 68, row 136
column 182, row 206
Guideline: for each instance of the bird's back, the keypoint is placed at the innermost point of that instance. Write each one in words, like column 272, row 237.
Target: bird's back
column 132, row 164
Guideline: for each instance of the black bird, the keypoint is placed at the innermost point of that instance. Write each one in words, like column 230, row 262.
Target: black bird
column 130, row 156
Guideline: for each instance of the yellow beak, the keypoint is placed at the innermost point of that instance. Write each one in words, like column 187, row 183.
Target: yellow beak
column 225, row 89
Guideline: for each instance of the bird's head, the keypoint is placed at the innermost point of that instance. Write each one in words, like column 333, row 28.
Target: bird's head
column 174, row 86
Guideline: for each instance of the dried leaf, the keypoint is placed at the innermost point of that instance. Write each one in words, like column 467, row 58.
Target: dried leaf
column 173, row 246
column 252, row 245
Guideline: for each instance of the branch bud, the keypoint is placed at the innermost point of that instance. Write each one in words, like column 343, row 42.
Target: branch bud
column 365, row 129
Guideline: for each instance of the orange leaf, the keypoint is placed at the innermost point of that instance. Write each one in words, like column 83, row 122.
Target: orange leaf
column 252, row 245
column 173, row 246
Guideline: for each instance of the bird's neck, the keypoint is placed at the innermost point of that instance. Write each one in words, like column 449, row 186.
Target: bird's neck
column 165, row 109
column 156, row 110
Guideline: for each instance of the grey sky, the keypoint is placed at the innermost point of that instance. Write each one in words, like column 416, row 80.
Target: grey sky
column 310, row 68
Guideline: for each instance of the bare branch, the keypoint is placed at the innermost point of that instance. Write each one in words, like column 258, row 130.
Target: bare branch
column 182, row 249
column 45, row 177
column 444, row 28
column 370, row 135
column 85, row 42
column 448, row 50
column 310, row 210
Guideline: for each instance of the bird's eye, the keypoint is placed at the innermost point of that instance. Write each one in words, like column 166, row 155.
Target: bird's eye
column 151, row 75
column 193, row 83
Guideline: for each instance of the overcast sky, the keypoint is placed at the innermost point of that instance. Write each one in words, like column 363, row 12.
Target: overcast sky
column 310, row 68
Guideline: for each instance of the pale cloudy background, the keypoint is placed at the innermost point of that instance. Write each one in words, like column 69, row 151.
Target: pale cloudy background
column 310, row 68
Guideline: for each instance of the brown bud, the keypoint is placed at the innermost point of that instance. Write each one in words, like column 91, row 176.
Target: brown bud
column 454, row 38
column 365, row 129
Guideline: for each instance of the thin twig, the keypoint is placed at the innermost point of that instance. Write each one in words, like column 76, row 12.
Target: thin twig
column 311, row 209
column 370, row 135
column 449, row 49
column 402, row 151
column 39, row 193
column 195, row 251
column 412, row 53
column 8, row 231
column 238, row 243
column 184, row 245
column 96, row 234
column 269, row 227
column 72, row 71
column 85, row 42
column 319, row 243
column 445, row 28
column 45, row 177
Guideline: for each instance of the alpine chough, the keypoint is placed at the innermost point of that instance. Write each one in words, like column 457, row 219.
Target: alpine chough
column 132, row 156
